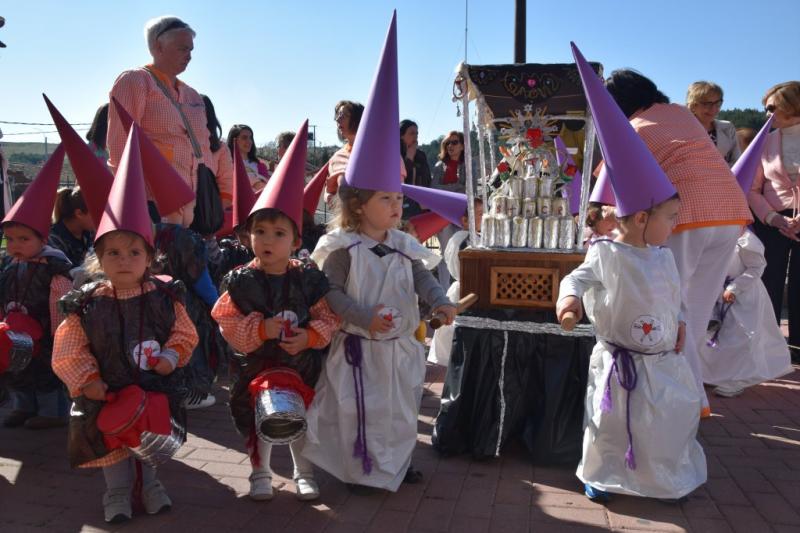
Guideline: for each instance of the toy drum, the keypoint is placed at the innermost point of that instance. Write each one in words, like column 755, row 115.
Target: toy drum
column 19, row 334
column 280, row 405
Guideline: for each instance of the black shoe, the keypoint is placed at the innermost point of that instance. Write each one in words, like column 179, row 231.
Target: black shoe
column 412, row 476
column 361, row 490
column 17, row 418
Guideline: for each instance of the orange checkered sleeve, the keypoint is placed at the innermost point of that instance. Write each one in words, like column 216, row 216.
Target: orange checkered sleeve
column 73, row 361
column 59, row 286
column 324, row 323
column 223, row 170
column 241, row 332
column 183, row 338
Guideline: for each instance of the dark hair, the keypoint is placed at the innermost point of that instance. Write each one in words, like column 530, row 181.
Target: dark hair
column 270, row 214
column 213, row 125
column 443, row 146
column 594, row 214
column 67, row 202
column 99, row 129
column 354, row 108
column 236, row 129
column 284, row 139
column 404, row 125
column 633, row 92
column 100, row 244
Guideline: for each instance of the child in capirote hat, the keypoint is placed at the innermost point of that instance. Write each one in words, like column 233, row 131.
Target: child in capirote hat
column 274, row 314
column 128, row 330
column 32, row 279
column 642, row 403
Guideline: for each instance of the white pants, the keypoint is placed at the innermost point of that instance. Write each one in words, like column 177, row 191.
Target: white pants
column 702, row 256
column 302, row 466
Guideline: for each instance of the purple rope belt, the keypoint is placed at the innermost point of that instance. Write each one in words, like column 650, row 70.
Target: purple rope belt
column 625, row 369
column 354, row 355
column 723, row 312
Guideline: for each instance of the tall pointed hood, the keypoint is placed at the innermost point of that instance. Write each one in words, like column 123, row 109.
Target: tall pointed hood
column 35, row 207
column 573, row 187
column 127, row 202
column 168, row 188
column 375, row 161
column 602, row 192
column 284, row 190
column 243, row 195
column 92, row 174
column 313, row 190
column 428, row 224
column 449, row 205
column 638, row 181
column 746, row 166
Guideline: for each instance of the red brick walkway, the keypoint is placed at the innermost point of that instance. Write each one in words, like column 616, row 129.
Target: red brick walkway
column 752, row 444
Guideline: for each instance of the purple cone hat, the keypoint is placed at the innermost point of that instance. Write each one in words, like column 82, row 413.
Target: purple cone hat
column 375, row 162
column 447, row 204
column 602, row 192
column 745, row 167
column 638, row 181
column 574, row 187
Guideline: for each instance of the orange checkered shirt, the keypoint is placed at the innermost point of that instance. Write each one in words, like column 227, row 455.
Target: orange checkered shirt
column 709, row 192
column 141, row 97
column 75, row 364
column 246, row 333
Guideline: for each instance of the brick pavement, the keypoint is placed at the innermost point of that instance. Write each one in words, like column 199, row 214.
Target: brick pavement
column 752, row 444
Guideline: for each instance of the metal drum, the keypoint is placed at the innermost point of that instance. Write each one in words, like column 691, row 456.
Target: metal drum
column 559, row 207
column 545, row 186
column 20, row 352
column 535, row 232
column 531, row 187
column 566, row 233
column 550, row 239
column 499, row 205
column 519, row 232
column 157, row 449
column 513, row 206
column 544, row 206
column 280, row 415
column 502, row 232
column 487, row 230
column 529, row 208
column 516, row 186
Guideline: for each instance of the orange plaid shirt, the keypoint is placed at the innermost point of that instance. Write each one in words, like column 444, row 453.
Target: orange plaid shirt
column 710, row 194
column 75, row 364
column 139, row 94
column 246, row 333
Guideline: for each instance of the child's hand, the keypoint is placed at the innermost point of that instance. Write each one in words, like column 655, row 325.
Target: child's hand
column 273, row 327
column 296, row 343
column 163, row 367
column 96, row 390
column 681, row 337
column 569, row 304
column 448, row 312
column 379, row 324
column 728, row 297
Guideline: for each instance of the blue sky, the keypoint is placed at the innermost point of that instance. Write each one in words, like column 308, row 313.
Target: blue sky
column 273, row 63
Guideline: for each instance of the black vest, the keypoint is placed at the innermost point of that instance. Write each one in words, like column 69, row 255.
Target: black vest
column 74, row 249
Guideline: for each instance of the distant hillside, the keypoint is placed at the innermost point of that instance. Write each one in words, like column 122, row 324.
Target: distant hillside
column 26, row 159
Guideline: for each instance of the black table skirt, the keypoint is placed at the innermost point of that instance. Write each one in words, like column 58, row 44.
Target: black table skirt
column 542, row 400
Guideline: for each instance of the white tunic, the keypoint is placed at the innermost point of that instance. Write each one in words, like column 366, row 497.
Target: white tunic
column 393, row 367
column 442, row 343
column 632, row 296
column 750, row 347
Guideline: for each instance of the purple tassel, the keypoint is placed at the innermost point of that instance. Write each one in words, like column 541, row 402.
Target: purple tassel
column 354, row 356
column 606, row 404
column 625, row 369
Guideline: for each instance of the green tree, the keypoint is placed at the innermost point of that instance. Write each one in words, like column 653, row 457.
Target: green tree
column 744, row 118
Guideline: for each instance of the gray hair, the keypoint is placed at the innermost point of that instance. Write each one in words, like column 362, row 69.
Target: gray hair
column 163, row 25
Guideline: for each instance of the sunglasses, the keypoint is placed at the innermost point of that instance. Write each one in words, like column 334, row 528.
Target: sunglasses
column 770, row 108
column 452, row 143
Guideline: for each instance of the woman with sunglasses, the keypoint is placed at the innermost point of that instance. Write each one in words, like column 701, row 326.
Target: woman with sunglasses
column 257, row 170
column 775, row 200
column 704, row 100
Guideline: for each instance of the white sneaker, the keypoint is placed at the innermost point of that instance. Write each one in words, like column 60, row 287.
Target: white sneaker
column 117, row 505
column 155, row 498
column 199, row 401
column 260, row 486
column 728, row 393
column 307, row 488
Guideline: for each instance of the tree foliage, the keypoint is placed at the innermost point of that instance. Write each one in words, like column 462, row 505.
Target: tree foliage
column 744, row 118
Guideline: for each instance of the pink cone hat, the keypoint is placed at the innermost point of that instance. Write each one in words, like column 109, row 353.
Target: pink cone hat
column 93, row 176
column 428, row 224
column 574, row 186
column 746, row 166
column 168, row 188
column 602, row 192
column 313, row 190
column 638, row 181
column 284, row 190
column 35, row 207
column 243, row 195
column 375, row 161
column 450, row 205
column 127, row 202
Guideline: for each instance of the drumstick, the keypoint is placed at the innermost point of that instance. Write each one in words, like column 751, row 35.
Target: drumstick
column 568, row 321
column 438, row 319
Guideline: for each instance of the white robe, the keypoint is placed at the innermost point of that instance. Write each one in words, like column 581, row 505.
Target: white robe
column 393, row 367
column 750, row 347
column 442, row 343
column 632, row 296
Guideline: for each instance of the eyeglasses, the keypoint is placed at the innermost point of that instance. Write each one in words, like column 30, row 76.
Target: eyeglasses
column 771, row 108
column 452, row 143
column 340, row 115
column 715, row 103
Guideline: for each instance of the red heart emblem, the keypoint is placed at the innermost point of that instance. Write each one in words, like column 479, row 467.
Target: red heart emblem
column 647, row 328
